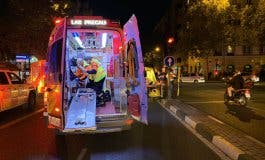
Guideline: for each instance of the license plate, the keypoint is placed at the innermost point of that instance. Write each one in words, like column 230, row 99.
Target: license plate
column 55, row 121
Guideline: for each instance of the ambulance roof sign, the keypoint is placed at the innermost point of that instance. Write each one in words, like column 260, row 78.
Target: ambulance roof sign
column 169, row 61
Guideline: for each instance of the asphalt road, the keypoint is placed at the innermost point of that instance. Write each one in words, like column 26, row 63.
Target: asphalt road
column 164, row 138
column 208, row 97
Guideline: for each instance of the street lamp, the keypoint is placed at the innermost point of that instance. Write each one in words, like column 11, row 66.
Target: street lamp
column 157, row 49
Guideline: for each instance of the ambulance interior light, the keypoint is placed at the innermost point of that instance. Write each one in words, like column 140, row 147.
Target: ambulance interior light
column 104, row 40
column 78, row 40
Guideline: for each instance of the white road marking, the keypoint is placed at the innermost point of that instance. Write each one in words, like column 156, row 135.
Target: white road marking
column 201, row 102
column 20, row 119
column 217, row 120
column 82, row 154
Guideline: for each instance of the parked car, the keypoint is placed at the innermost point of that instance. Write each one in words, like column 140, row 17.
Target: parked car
column 14, row 92
column 192, row 78
column 250, row 77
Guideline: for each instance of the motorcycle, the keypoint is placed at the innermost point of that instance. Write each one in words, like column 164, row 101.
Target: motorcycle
column 239, row 97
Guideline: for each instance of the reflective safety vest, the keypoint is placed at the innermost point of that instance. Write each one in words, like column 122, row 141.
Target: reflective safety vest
column 100, row 74
column 88, row 68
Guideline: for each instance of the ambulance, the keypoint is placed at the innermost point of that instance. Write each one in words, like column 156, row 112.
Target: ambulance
column 36, row 77
column 71, row 105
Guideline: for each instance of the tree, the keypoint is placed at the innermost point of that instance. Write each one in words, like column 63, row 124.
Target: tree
column 201, row 35
column 27, row 26
column 259, row 22
column 152, row 59
column 212, row 24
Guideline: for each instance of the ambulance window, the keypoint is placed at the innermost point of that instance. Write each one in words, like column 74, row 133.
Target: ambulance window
column 3, row 79
column 55, row 57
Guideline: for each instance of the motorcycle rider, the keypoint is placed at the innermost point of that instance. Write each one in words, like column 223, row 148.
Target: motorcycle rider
column 237, row 82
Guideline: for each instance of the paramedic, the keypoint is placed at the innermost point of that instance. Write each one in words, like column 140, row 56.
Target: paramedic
column 88, row 67
column 99, row 74
column 79, row 71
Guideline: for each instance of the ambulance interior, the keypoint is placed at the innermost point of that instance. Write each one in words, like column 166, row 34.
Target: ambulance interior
column 83, row 103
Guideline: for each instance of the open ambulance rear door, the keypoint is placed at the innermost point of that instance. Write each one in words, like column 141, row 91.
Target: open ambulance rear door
column 137, row 99
column 53, row 95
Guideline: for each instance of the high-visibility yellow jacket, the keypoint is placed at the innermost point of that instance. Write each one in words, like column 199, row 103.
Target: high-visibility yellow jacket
column 101, row 73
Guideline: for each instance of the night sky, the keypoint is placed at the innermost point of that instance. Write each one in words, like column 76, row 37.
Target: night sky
column 148, row 13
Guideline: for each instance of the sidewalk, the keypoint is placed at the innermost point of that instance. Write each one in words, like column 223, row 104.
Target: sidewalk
column 234, row 143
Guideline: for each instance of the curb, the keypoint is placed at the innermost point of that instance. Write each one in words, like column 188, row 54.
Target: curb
column 229, row 149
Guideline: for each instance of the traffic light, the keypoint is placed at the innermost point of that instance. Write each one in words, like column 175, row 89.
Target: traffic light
column 170, row 40
column 215, row 72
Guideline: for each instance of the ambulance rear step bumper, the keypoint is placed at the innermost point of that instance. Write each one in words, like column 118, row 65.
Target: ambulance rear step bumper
column 102, row 127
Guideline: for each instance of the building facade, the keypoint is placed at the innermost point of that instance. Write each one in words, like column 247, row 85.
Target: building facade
column 228, row 58
column 250, row 60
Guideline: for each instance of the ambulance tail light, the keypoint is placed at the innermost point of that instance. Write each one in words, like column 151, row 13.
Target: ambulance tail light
column 45, row 100
column 57, row 110
column 57, row 90
column 58, row 21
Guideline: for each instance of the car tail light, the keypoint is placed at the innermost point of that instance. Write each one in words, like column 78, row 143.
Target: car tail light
column 247, row 93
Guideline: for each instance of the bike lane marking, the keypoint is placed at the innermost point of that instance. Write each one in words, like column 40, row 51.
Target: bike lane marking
column 202, row 102
column 20, row 119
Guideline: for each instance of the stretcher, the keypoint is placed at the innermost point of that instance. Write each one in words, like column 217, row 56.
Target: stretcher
column 82, row 110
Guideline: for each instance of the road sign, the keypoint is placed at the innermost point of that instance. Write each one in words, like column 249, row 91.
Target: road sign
column 169, row 61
